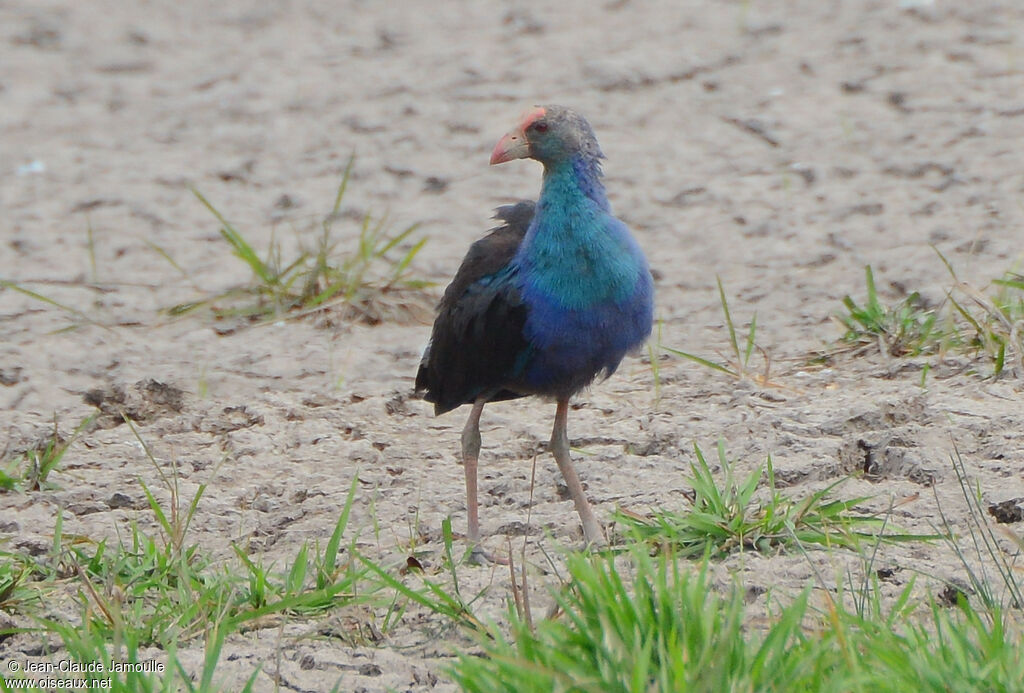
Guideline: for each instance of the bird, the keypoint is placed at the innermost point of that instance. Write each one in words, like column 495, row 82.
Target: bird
column 549, row 301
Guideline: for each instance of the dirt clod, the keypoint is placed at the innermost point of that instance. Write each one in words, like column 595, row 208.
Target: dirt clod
column 1008, row 511
column 143, row 402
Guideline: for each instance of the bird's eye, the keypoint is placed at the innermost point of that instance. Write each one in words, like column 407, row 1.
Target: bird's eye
column 540, row 127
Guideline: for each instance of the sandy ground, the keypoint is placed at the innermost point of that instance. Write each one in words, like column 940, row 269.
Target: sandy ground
column 779, row 145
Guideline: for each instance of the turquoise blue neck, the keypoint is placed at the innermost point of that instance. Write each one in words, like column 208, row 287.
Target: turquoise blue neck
column 568, row 180
column 575, row 253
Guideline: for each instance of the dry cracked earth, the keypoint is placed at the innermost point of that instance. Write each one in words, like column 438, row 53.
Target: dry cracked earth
column 780, row 146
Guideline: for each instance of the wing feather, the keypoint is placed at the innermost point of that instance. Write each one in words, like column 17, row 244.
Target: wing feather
column 477, row 345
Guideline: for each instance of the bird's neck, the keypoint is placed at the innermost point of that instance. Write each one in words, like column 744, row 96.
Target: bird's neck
column 570, row 182
column 575, row 253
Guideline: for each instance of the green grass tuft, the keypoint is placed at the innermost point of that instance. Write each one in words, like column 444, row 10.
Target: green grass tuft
column 371, row 282
column 737, row 364
column 727, row 517
column 79, row 318
column 30, row 470
column 1007, row 592
column 162, row 590
column 639, row 624
column 906, row 329
column 981, row 324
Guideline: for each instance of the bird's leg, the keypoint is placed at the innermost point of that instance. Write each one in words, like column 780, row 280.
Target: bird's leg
column 470, row 455
column 560, row 449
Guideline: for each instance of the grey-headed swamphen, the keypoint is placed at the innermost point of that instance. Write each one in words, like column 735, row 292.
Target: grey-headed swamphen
column 545, row 303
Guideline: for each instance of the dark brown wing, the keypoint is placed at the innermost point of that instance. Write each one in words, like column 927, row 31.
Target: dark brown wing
column 477, row 343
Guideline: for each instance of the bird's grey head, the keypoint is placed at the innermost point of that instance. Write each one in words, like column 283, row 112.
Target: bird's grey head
column 549, row 134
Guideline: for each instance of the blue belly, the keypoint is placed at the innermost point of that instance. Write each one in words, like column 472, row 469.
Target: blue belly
column 572, row 347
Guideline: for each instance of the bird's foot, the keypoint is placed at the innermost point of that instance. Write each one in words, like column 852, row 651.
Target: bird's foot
column 480, row 556
column 593, row 546
column 594, row 538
